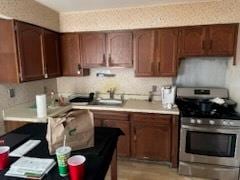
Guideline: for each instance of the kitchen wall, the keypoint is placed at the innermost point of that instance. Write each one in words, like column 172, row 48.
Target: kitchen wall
column 24, row 92
column 233, row 77
column 124, row 82
column 30, row 11
column 221, row 11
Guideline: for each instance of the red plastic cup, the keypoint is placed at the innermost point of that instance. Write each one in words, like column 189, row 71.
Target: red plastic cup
column 4, row 160
column 76, row 167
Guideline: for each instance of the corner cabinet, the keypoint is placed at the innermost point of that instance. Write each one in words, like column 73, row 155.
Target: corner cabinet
column 29, row 52
column 72, row 64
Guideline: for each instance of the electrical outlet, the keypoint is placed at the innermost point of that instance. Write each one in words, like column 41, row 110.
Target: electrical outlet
column 45, row 89
column 154, row 88
column 11, row 93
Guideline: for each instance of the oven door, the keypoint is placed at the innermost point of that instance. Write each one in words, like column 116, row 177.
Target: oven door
column 211, row 145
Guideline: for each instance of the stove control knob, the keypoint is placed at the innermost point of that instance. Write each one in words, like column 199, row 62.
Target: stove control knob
column 192, row 121
column 199, row 121
column 225, row 123
column 231, row 123
column 211, row 122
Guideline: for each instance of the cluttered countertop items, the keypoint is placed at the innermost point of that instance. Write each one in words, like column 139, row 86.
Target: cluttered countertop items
column 29, row 112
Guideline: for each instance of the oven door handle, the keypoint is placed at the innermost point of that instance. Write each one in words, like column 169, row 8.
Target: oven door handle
column 210, row 129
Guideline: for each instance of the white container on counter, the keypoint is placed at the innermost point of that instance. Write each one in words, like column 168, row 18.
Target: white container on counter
column 41, row 103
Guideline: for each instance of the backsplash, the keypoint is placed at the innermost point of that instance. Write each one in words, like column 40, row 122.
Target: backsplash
column 124, row 82
column 24, row 92
column 203, row 72
column 233, row 77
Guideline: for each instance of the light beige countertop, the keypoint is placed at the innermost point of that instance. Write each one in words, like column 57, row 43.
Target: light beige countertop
column 25, row 112
column 133, row 106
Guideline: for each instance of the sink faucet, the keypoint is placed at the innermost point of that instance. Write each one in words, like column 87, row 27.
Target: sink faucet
column 111, row 92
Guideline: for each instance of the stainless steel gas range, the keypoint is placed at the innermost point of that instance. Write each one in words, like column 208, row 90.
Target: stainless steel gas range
column 209, row 135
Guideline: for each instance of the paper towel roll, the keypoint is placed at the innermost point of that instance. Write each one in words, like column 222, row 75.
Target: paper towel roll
column 41, row 103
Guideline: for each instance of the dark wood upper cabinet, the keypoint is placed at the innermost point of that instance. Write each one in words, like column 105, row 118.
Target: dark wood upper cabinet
column 93, row 49
column 167, row 52
column 51, row 54
column 193, row 41
column 71, row 55
column 8, row 53
column 29, row 43
column 27, row 52
column 222, row 40
column 151, row 136
column 143, row 52
column 119, row 49
column 209, row 40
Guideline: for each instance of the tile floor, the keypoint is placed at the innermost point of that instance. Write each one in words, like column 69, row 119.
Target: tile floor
column 134, row 170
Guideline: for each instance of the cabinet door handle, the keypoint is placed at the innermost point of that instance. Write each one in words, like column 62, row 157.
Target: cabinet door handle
column 158, row 66
column 109, row 60
column 79, row 69
column 203, row 44
column 210, row 44
column 135, row 134
column 104, row 60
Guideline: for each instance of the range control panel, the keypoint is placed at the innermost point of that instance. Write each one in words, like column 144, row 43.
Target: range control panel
column 210, row 122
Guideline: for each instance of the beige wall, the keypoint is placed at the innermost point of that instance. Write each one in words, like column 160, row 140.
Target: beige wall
column 233, row 77
column 30, row 11
column 225, row 11
column 124, row 82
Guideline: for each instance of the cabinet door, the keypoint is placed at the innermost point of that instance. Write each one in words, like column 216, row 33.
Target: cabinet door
column 29, row 39
column 119, row 49
column 51, row 54
column 151, row 137
column 193, row 41
column 167, row 52
column 70, row 55
column 222, row 40
column 93, row 47
column 143, row 52
column 123, row 147
column 8, row 53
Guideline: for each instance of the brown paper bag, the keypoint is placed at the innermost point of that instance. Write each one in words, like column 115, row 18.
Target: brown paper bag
column 78, row 126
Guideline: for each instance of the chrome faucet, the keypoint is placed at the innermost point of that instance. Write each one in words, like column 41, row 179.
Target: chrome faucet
column 111, row 92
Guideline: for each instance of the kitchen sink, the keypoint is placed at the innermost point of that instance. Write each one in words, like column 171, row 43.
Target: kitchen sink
column 109, row 102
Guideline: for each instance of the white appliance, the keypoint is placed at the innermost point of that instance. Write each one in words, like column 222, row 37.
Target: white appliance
column 168, row 96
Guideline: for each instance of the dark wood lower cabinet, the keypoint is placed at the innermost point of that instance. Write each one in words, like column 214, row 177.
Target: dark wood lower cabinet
column 123, row 147
column 146, row 136
column 151, row 137
column 116, row 120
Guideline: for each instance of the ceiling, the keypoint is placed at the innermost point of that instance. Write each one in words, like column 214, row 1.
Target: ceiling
column 81, row 5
